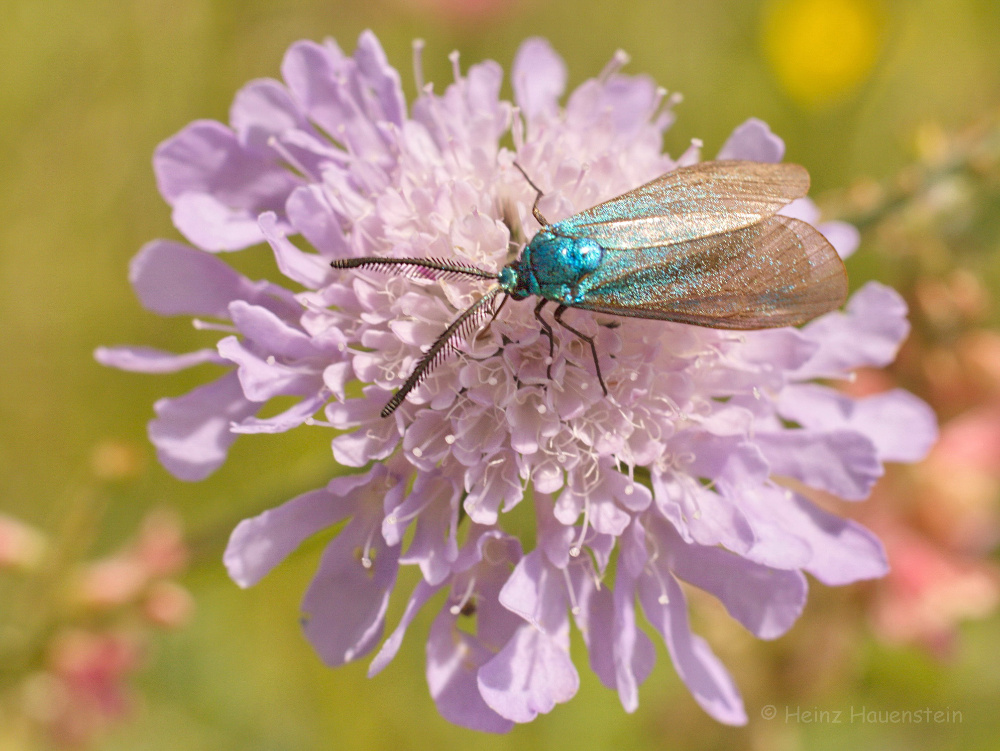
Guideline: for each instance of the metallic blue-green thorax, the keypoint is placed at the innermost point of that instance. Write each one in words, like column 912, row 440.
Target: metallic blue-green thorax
column 552, row 266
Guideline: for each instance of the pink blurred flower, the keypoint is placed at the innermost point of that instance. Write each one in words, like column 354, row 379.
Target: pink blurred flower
column 84, row 689
column 21, row 545
column 122, row 578
column 929, row 590
column 465, row 11
column 73, row 655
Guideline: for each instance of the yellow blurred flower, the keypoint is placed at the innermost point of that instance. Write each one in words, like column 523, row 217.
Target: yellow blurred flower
column 820, row 50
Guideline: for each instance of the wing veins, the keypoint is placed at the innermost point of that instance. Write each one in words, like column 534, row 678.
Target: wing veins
column 696, row 201
column 799, row 276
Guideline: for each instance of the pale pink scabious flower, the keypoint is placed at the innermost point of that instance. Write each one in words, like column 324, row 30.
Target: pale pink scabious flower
column 686, row 471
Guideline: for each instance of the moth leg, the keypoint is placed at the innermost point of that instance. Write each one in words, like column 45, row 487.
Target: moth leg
column 499, row 308
column 547, row 328
column 538, row 196
column 493, row 318
column 588, row 339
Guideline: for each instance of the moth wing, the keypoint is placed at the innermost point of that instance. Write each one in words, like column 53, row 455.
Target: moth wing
column 778, row 272
column 689, row 202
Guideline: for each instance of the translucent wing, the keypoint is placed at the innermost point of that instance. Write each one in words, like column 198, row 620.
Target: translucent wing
column 778, row 272
column 704, row 199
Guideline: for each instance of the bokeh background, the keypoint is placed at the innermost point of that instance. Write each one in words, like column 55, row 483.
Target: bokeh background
column 891, row 104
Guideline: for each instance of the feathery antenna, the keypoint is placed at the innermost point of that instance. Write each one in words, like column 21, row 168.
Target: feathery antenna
column 464, row 324
column 414, row 268
column 429, row 268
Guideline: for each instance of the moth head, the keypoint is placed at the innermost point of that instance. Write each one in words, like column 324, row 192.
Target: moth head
column 512, row 282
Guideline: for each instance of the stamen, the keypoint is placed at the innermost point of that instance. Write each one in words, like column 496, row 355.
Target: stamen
column 617, row 62
column 672, row 406
column 517, row 129
column 663, row 114
column 201, row 325
column 457, row 607
column 574, row 605
column 285, row 154
column 456, row 70
column 366, row 558
column 413, row 513
column 659, row 96
column 688, row 487
column 418, row 63
column 591, row 566
column 440, row 433
column 654, row 555
column 577, row 547
column 653, row 546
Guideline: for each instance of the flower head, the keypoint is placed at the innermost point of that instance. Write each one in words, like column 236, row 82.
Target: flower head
column 685, row 471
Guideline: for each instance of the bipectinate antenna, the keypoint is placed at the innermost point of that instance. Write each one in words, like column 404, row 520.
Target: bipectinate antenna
column 462, row 326
column 414, row 268
column 430, row 268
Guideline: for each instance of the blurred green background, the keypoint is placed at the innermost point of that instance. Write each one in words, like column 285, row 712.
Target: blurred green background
column 88, row 88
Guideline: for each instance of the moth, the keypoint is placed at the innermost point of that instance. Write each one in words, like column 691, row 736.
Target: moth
column 701, row 245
